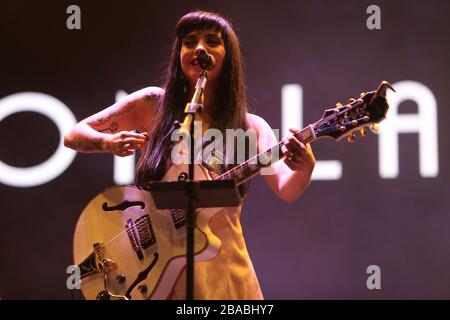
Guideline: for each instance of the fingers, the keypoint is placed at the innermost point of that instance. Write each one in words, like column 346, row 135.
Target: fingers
column 298, row 156
column 290, row 164
column 124, row 153
column 131, row 143
column 126, row 142
column 294, row 145
column 131, row 134
column 294, row 152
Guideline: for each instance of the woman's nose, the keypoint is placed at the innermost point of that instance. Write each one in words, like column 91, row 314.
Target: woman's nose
column 199, row 49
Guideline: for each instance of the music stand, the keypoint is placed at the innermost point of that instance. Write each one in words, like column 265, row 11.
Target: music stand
column 215, row 193
column 206, row 194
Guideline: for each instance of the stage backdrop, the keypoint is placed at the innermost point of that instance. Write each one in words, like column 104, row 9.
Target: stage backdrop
column 375, row 220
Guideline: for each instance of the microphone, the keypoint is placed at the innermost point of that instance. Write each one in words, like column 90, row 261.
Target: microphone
column 206, row 60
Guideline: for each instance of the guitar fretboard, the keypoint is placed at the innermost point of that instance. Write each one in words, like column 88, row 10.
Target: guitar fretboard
column 253, row 166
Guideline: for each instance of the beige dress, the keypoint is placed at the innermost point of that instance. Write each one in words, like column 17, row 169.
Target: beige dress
column 229, row 275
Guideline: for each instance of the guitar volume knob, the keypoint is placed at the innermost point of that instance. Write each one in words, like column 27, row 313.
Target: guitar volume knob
column 142, row 288
column 121, row 278
column 103, row 295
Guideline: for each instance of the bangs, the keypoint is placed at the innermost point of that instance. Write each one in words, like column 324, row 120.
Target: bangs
column 200, row 20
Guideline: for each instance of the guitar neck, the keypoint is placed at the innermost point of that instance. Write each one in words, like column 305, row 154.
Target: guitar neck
column 336, row 123
column 253, row 166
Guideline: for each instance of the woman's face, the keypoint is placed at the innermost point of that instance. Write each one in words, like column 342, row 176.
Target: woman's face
column 192, row 44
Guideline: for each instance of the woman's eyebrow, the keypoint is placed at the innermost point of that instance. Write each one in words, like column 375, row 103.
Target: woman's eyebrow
column 190, row 35
column 194, row 35
column 214, row 34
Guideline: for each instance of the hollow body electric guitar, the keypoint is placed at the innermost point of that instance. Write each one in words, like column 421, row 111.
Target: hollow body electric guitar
column 126, row 248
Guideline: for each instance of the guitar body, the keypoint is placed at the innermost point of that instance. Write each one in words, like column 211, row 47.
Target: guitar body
column 128, row 249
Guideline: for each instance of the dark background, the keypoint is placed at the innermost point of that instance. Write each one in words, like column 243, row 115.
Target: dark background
column 320, row 246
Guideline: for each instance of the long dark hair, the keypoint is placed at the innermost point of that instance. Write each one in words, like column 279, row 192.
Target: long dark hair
column 231, row 95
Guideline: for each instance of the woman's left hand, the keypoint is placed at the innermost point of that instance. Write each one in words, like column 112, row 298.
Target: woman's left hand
column 298, row 156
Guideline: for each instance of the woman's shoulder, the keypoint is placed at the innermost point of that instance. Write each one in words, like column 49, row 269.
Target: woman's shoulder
column 256, row 122
column 148, row 94
column 141, row 106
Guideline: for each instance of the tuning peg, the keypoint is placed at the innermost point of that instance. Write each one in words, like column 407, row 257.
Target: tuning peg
column 351, row 137
column 351, row 100
column 338, row 105
column 354, row 123
column 362, row 94
column 342, row 128
column 375, row 127
column 362, row 132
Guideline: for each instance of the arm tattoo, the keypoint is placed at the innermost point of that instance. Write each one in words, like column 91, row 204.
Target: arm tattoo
column 113, row 128
column 151, row 97
column 86, row 145
column 93, row 145
column 103, row 120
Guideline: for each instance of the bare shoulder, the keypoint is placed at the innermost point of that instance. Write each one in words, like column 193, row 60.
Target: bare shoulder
column 149, row 94
column 265, row 134
column 145, row 101
column 256, row 122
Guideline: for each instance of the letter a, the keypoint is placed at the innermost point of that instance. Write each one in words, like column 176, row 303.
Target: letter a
column 74, row 280
column 374, row 281
column 74, row 20
column 373, row 21
column 425, row 123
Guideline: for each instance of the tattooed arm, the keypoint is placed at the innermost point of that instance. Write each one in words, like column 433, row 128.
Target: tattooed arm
column 111, row 130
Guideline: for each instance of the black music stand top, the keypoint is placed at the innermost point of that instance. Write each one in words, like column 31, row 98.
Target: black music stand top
column 210, row 194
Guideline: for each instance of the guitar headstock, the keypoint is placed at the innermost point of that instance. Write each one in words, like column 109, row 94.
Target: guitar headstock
column 368, row 110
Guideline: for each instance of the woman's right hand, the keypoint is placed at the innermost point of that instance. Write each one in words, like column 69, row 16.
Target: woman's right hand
column 124, row 143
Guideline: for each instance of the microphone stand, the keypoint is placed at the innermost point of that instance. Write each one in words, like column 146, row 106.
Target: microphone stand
column 192, row 187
